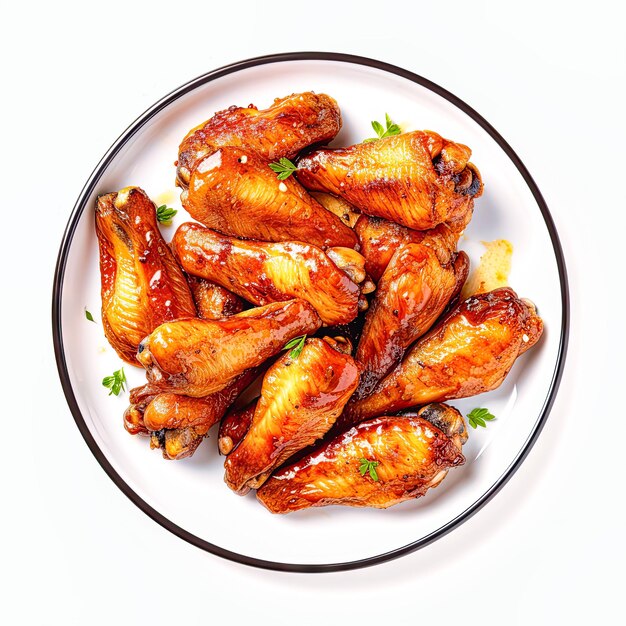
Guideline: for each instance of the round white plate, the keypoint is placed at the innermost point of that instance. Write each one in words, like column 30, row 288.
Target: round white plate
column 189, row 497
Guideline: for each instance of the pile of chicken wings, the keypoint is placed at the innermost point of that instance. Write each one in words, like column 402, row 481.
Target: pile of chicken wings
column 315, row 315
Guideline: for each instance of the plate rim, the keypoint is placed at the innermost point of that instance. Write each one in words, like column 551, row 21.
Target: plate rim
column 59, row 348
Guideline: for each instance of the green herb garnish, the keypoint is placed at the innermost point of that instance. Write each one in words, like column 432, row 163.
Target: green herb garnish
column 165, row 214
column 392, row 129
column 116, row 382
column 89, row 316
column 295, row 345
column 480, row 417
column 284, row 168
column 369, row 466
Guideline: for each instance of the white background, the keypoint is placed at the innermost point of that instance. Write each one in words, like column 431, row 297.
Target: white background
column 549, row 548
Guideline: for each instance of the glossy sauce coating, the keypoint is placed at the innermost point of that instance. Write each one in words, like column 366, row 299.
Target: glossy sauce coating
column 263, row 272
column 379, row 239
column 199, row 357
column 234, row 426
column 236, row 193
column 412, row 456
column 300, row 399
column 213, row 301
column 142, row 284
column 417, row 179
column 411, row 295
column 468, row 352
column 282, row 130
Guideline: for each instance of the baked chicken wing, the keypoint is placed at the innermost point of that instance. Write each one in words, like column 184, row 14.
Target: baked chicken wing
column 270, row 272
column 179, row 423
column 213, row 301
column 411, row 295
column 282, row 130
column 235, row 192
column 416, row 179
column 379, row 239
column 301, row 397
column 142, row 285
column 198, row 357
column 469, row 352
column 377, row 463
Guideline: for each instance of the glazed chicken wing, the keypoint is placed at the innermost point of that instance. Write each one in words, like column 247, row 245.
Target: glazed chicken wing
column 235, row 192
column 288, row 126
column 408, row 455
column 411, row 295
column 200, row 357
column 213, row 301
column 270, row 272
column 416, row 179
column 469, row 352
column 179, row 423
column 234, row 426
column 379, row 239
column 301, row 397
column 142, row 285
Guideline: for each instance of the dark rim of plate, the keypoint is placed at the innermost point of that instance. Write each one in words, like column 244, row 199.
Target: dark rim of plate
column 58, row 293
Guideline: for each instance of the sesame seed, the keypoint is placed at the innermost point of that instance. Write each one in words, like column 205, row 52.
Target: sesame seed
column 282, row 187
column 525, row 338
column 243, row 159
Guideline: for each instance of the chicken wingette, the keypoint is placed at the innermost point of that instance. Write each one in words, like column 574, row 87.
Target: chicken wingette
column 412, row 293
column 302, row 395
column 235, row 192
column 378, row 463
column 282, row 130
column 198, row 357
column 417, row 179
column 142, row 284
column 179, row 423
column 379, row 239
column 470, row 351
column 263, row 272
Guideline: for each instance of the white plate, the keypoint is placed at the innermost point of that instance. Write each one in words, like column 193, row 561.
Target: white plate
column 189, row 497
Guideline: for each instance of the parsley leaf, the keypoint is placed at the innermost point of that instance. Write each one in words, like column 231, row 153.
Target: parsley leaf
column 296, row 346
column 392, row 129
column 369, row 466
column 89, row 316
column 480, row 417
column 284, row 168
column 165, row 214
column 115, row 382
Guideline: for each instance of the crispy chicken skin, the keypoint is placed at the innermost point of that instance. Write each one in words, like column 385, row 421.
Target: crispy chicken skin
column 213, row 301
column 235, row 192
column 142, row 285
column 269, row 272
column 282, row 130
column 416, row 179
column 411, row 295
column 470, row 351
column 198, row 357
column 234, row 426
column 412, row 453
column 300, row 399
column 379, row 239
